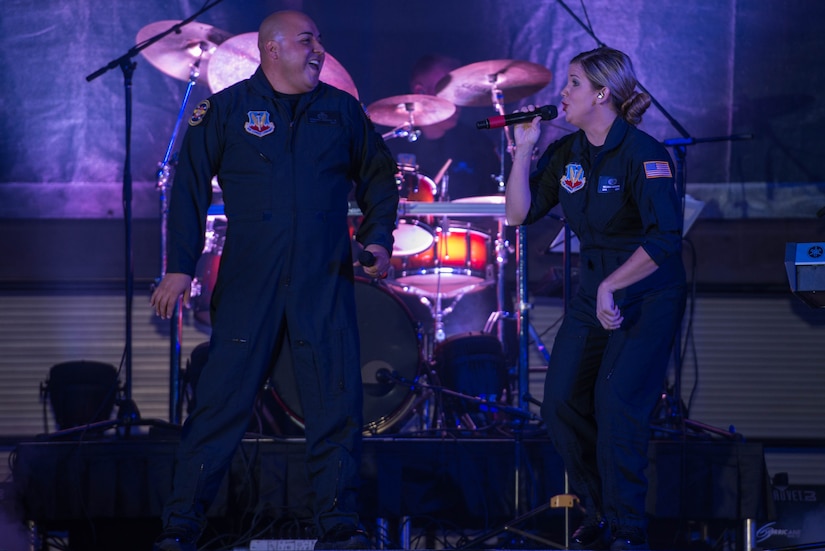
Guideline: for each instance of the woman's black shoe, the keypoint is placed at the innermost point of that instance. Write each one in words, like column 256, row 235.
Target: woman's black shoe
column 590, row 535
column 629, row 539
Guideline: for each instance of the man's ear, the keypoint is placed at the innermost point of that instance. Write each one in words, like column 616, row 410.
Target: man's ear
column 271, row 49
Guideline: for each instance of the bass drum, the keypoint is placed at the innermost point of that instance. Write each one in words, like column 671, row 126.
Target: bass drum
column 389, row 340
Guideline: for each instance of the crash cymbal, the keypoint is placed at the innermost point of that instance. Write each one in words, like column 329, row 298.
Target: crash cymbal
column 334, row 74
column 175, row 53
column 396, row 110
column 238, row 57
column 472, row 84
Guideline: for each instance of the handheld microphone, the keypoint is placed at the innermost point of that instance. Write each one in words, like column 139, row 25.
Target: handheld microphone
column 546, row 113
column 366, row 258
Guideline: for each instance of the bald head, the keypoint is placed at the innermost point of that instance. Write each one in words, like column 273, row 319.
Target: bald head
column 291, row 51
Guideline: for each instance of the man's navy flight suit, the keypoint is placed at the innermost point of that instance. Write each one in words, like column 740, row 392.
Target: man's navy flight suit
column 286, row 273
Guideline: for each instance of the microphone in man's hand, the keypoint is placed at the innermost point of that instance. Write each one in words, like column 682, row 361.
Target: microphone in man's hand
column 366, row 258
column 546, row 113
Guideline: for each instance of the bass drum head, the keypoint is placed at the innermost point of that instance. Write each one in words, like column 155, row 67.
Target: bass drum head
column 389, row 340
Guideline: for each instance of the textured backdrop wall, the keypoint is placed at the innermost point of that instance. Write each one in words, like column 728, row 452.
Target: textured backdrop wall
column 717, row 68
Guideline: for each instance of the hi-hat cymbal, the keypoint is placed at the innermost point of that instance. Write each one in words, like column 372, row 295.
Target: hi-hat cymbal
column 396, row 110
column 472, row 84
column 176, row 53
column 238, row 57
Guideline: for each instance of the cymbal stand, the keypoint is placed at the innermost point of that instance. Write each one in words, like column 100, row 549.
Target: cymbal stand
column 523, row 330
column 164, row 186
column 407, row 129
column 497, row 96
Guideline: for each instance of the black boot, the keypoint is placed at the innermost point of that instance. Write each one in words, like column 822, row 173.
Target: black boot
column 176, row 539
column 590, row 535
column 629, row 539
column 342, row 536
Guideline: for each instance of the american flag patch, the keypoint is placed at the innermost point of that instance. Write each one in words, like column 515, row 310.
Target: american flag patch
column 657, row 169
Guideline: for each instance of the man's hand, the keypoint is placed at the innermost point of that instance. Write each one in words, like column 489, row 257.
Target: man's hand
column 168, row 291
column 381, row 265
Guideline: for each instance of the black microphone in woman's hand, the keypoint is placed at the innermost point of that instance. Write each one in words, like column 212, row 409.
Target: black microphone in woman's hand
column 546, row 113
column 366, row 258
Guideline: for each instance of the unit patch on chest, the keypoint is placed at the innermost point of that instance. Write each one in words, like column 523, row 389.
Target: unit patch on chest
column 573, row 179
column 259, row 124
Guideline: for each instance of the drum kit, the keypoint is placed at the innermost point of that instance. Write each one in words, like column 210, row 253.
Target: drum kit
column 410, row 352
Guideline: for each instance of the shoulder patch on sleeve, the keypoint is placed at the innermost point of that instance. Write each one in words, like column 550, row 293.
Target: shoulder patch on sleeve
column 656, row 169
column 199, row 113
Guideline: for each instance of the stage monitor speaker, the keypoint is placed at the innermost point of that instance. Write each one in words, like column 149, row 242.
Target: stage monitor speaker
column 81, row 392
column 805, row 264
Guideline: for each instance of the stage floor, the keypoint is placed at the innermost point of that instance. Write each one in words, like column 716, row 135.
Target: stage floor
column 439, row 492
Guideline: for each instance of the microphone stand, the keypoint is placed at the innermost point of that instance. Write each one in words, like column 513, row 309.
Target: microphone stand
column 679, row 146
column 128, row 412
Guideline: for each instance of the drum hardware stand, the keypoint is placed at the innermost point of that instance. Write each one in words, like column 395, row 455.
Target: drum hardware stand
column 563, row 501
column 176, row 322
column 130, row 413
column 497, row 96
column 406, row 130
column 386, row 376
column 438, row 313
column 522, row 318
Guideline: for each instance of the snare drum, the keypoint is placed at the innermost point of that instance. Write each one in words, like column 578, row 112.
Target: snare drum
column 412, row 236
column 456, row 262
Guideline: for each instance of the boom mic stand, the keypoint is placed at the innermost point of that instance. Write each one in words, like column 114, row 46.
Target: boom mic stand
column 679, row 146
column 128, row 413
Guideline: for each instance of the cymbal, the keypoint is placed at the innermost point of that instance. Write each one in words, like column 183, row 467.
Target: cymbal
column 396, row 110
column 238, row 58
column 175, row 53
column 472, row 84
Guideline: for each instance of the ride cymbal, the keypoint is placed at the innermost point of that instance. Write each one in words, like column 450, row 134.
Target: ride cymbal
column 472, row 85
column 177, row 52
column 420, row 109
column 238, row 57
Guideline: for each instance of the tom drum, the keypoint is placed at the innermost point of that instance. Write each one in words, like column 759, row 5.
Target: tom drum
column 457, row 261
